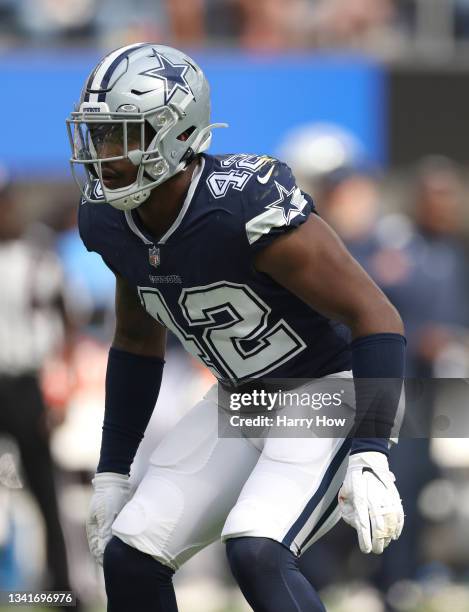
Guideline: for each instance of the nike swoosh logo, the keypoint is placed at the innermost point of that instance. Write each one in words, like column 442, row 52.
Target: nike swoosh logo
column 263, row 179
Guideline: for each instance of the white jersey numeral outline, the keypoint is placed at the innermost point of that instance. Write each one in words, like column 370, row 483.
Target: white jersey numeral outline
column 243, row 345
column 220, row 182
column 155, row 304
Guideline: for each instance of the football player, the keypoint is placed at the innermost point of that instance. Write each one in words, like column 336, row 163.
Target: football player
column 227, row 253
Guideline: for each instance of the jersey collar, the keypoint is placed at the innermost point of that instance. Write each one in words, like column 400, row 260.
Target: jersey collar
column 136, row 226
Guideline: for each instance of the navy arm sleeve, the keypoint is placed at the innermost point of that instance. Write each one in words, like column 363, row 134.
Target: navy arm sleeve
column 132, row 386
column 378, row 369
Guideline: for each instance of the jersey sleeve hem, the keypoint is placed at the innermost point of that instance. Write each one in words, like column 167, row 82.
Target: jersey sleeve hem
column 276, row 208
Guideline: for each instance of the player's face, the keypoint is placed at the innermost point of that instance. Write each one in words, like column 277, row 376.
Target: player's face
column 108, row 142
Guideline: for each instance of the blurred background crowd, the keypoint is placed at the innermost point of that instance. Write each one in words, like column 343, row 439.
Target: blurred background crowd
column 373, row 118
column 389, row 27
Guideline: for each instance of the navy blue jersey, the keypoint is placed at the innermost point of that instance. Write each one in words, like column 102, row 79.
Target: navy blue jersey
column 199, row 281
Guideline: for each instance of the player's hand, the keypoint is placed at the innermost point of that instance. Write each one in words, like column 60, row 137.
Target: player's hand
column 370, row 502
column 111, row 492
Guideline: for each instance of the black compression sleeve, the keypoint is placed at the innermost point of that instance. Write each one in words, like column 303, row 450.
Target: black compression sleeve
column 132, row 387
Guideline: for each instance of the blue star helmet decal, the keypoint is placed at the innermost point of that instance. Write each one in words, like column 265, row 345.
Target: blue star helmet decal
column 292, row 208
column 173, row 76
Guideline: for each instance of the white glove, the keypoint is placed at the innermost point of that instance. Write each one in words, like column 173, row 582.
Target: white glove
column 111, row 492
column 370, row 502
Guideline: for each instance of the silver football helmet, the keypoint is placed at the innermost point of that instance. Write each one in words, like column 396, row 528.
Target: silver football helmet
column 146, row 103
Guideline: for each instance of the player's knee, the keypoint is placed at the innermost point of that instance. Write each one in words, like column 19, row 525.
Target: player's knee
column 256, row 556
column 122, row 563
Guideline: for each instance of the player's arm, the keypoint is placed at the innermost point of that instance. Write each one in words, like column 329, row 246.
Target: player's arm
column 133, row 379
column 136, row 331
column 312, row 262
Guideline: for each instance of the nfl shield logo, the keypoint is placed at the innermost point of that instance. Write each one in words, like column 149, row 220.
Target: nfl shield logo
column 154, row 256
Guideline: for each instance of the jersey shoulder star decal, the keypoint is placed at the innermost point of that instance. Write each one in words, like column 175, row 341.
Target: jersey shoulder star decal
column 290, row 202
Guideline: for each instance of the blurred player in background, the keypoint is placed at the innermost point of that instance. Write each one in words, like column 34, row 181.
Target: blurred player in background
column 228, row 253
